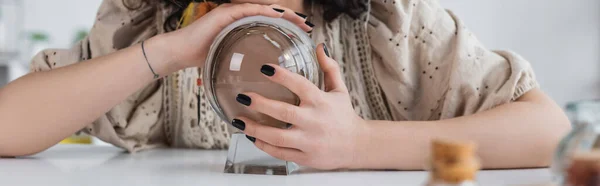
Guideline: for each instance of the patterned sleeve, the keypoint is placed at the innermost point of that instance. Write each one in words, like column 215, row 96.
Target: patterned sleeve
column 135, row 123
column 432, row 67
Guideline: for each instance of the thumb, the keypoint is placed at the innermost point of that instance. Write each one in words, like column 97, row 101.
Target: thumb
column 331, row 69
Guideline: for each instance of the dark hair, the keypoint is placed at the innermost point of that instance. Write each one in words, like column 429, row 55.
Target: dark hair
column 333, row 8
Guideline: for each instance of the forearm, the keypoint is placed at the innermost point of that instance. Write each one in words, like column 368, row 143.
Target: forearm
column 40, row 109
column 519, row 134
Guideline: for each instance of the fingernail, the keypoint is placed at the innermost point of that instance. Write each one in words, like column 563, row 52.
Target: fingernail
column 252, row 139
column 309, row 24
column 301, row 15
column 239, row 124
column 243, row 99
column 267, row 70
column 310, row 31
column 326, row 50
column 279, row 10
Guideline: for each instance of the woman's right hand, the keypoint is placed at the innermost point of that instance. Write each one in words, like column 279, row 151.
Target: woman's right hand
column 189, row 46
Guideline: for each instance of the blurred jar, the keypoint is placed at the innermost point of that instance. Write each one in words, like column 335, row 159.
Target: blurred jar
column 453, row 163
column 583, row 138
column 11, row 21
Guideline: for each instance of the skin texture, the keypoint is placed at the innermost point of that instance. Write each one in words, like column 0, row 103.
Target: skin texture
column 326, row 133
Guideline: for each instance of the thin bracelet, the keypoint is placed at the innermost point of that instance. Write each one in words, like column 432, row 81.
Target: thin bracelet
column 149, row 66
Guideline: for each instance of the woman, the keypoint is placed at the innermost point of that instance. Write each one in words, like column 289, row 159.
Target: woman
column 398, row 74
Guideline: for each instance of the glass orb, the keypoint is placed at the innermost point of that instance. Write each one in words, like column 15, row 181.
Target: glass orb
column 237, row 55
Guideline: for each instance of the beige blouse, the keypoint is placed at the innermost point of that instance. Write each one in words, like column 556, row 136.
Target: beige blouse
column 402, row 60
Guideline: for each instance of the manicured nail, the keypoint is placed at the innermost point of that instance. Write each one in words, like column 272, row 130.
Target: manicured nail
column 301, row 15
column 309, row 24
column 267, row 70
column 239, row 124
column 279, row 10
column 252, row 139
column 243, row 99
column 326, row 50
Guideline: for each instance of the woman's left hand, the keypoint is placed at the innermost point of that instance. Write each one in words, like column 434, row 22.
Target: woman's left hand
column 325, row 132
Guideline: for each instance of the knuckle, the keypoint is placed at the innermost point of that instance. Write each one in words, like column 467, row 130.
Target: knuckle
column 289, row 114
column 318, row 99
column 331, row 65
column 334, row 64
column 331, row 68
column 280, row 140
column 281, row 77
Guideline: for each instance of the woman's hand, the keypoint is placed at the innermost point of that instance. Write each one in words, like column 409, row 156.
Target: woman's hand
column 189, row 46
column 325, row 132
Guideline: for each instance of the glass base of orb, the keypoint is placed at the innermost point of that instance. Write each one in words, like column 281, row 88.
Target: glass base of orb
column 245, row 158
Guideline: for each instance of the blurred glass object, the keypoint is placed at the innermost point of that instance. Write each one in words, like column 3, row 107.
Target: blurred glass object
column 11, row 21
column 584, row 137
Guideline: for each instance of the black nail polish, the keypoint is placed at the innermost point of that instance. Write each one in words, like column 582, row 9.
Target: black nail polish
column 252, row 139
column 243, row 99
column 309, row 24
column 326, row 50
column 267, row 70
column 279, row 10
column 301, row 15
column 239, row 124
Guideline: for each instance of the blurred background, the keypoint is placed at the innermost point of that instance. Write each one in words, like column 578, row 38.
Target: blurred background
column 560, row 38
column 29, row 26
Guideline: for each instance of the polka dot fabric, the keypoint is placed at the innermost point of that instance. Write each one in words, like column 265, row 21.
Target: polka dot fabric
column 430, row 66
column 414, row 60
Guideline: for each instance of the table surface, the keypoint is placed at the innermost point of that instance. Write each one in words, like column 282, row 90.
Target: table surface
column 81, row 165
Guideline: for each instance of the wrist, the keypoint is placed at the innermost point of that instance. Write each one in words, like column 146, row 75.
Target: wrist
column 163, row 59
column 362, row 143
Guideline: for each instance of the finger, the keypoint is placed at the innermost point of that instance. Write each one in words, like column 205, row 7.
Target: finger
column 286, row 154
column 228, row 13
column 271, row 135
column 297, row 18
column 333, row 76
column 299, row 85
column 279, row 110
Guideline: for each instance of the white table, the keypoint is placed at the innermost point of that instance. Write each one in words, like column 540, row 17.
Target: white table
column 80, row 165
